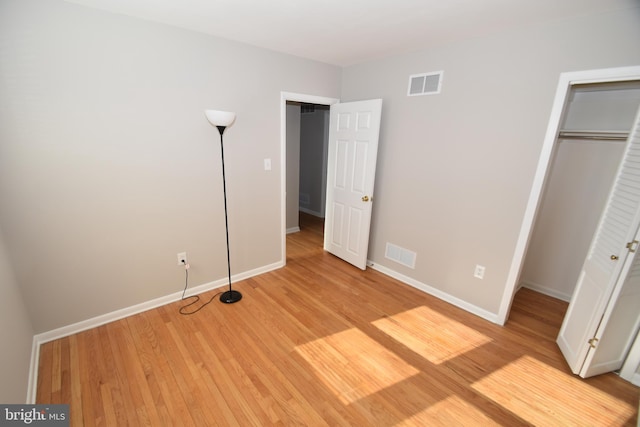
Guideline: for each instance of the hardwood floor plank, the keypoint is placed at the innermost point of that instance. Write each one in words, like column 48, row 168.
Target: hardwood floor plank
column 280, row 362
column 255, row 364
column 65, row 372
column 125, row 369
column 90, row 404
column 233, row 407
column 76, row 414
column 56, row 370
column 319, row 342
column 155, row 350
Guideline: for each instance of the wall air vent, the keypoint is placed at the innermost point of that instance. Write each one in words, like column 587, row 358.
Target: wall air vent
column 425, row 83
column 400, row 255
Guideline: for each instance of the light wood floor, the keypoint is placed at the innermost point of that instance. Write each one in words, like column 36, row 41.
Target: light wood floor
column 321, row 343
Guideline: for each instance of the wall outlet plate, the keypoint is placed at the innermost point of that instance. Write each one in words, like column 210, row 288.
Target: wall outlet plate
column 182, row 256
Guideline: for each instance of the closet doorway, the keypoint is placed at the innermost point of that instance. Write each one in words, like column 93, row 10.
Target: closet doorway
column 588, row 152
column 565, row 82
column 592, row 191
column 581, row 159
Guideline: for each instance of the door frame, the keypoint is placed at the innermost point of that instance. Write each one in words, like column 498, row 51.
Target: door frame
column 293, row 97
column 566, row 81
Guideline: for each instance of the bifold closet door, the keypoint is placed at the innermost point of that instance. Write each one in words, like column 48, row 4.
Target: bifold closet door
column 603, row 276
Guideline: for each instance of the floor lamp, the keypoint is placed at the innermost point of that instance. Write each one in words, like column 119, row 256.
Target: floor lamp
column 222, row 120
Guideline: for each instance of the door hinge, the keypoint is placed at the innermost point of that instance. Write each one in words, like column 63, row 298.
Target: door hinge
column 592, row 342
column 632, row 246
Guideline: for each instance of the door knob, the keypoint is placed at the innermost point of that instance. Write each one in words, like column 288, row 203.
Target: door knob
column 614, row 257
column 365, row 198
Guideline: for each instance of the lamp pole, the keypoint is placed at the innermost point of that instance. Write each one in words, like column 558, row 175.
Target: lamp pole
column 229, row 296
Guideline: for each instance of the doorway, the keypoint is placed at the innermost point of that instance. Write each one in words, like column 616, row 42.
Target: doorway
column 290, row 159
column 545, row 163
column 593, row 111
column 597, row 119
column 307, row 148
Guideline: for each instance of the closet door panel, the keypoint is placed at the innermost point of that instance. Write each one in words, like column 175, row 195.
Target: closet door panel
column 607, row 264
column 616, row 340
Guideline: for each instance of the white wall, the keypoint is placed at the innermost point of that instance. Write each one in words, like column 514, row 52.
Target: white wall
column 577, row 189
column 455, row 169
column 16, row 334
column 108, row 167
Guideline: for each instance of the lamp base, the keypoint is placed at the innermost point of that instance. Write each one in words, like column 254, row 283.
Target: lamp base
column 230, row 297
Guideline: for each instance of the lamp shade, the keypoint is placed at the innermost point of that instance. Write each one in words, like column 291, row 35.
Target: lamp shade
column 220, row 118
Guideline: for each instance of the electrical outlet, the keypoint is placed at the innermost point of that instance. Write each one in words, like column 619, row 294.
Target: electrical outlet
column 479, row 272
column 182, row 256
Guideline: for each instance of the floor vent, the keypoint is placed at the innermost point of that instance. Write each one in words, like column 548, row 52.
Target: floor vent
column 400, row 255
column 425, row 84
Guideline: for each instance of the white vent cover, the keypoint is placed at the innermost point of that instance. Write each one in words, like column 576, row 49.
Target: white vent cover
column 400, row 255
column 425, row 83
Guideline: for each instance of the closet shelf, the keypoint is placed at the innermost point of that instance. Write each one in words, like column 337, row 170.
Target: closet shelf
column 599, row 135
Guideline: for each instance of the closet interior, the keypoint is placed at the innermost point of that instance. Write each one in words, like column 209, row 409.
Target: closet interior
column 596, row 124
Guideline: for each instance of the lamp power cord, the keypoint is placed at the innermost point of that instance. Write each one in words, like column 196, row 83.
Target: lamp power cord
column 183, row 310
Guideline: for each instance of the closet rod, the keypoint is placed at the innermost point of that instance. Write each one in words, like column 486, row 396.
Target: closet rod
column 594, row 134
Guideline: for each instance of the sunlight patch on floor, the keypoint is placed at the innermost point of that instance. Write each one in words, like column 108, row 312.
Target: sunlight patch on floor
column 353, row 365
column 546, row 390
column 452, row 411
column 432, row 335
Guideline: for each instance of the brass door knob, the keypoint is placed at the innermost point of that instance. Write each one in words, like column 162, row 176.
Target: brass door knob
column 365, row 198
column 614, row 257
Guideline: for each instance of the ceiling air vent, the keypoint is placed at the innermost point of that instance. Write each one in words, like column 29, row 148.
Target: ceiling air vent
column 425, row 84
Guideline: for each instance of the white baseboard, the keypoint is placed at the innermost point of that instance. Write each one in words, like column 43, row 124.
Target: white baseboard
column 487, row 315
column 293, row 230
column 94, row 322
column 545, row 290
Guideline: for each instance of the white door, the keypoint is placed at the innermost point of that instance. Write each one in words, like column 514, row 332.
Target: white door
column 353, row 151
column 620, row 322
column 605, row 269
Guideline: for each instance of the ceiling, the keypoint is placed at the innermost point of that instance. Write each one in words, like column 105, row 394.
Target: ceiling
column 347, row 32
